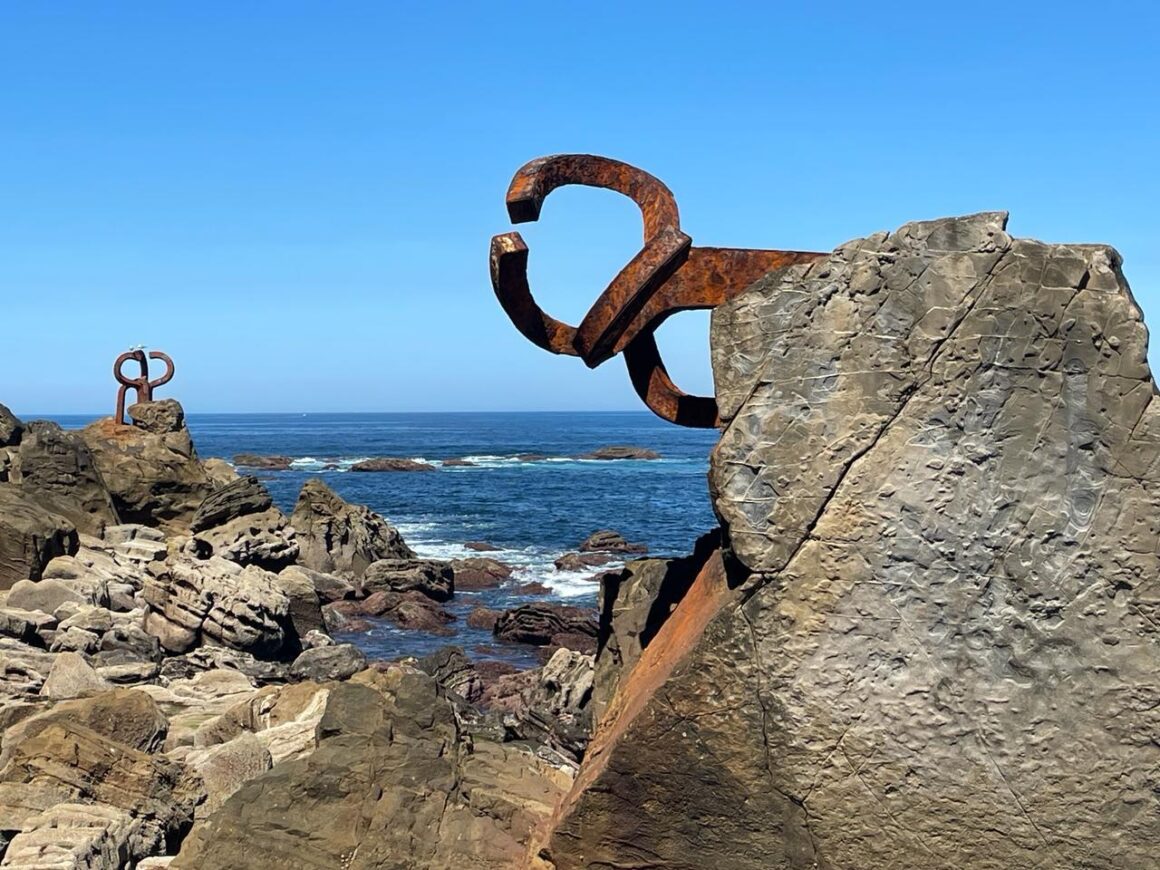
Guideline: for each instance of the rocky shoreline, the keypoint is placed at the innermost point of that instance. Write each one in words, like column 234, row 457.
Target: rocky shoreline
column 196, row 643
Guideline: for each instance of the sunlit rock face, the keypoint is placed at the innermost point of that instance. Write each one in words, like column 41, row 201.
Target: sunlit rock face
column 932, row 641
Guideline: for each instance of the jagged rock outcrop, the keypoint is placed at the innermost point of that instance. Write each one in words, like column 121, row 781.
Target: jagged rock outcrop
column 935, row 643
column 239, row 498
column 11, row 429
column 30, row 537
column 394, row 782
column 150, row 469
column 339, row 538
column 56, row 470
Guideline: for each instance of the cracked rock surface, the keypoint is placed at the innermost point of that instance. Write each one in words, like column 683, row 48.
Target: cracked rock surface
column 933, row 642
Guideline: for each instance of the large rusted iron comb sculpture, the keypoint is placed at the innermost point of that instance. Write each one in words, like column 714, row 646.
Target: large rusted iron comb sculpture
column 141, row 383
column 667, row 276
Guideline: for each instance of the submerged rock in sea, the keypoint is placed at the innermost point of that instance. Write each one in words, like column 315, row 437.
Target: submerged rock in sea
column 335, row 537
column 934, row 641
column 620, row 452
column 266, row 463
column 392, row 463
column 609, row 541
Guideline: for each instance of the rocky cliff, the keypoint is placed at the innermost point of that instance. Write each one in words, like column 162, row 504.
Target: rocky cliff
column 931, row 637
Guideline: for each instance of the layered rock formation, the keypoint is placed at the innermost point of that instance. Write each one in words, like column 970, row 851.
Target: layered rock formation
column 933, row 641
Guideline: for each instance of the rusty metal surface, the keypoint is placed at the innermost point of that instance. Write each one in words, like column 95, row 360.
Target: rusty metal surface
column 141, row 383
column 667, row 275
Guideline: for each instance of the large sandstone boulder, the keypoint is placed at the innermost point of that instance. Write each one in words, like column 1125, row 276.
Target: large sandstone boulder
column 30, row 537
column 935, row 642
column 219, row 602
column 150, row 468
column 393, row 783
column 339, row 538
column 57, row 470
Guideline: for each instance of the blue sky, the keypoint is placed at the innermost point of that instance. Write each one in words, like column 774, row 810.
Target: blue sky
column 295, row 199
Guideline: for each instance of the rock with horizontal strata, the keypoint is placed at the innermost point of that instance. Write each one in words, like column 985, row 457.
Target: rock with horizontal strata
column 936, row 640
column 217, row 601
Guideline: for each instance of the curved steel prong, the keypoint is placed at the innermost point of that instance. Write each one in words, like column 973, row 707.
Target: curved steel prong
column 537, row 178
column 652, row 383
column 509, row 279
column 165, row 378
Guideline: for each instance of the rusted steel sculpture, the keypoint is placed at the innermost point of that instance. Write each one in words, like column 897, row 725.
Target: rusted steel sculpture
column 667, row 276
column 141, row 384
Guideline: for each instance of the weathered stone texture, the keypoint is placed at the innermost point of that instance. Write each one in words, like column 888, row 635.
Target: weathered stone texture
column 940, row 487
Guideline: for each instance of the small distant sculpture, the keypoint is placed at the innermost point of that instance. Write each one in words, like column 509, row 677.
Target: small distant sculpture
column 667, row 276
column 141, row 384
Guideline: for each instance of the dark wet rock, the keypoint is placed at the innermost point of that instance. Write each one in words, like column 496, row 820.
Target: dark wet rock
column 577, row 641
column 393, row 783
column 458, row 463
column 27, row 626
column 10, row 428
column 30, row 537
column 620, row 452
column 411, row 610
column 479, row 573
column 242, row 497
column 433, row 578
column 335, row 537
column 338, row 662
column 633, row 604
column 580, row 561
column 609, row 541
column 539, row 623
column 58, row 471
column 452, row 669
column 392, row 463
column 481, row 547
column 154, row 477
column 533, row 588
column 483, row 617
column 266, row 463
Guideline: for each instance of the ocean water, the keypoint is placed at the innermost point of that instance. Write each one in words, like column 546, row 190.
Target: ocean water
column 532, row 511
